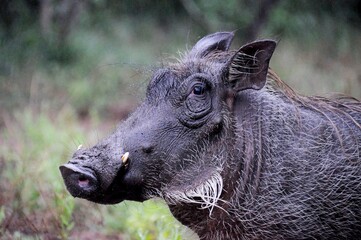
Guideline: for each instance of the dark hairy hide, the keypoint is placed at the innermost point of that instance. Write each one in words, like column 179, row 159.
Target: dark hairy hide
column 298, row 162
column 308, row 167
column 233, row 151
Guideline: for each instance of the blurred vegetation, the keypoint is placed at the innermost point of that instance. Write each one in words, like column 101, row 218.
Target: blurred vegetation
column 70, row 69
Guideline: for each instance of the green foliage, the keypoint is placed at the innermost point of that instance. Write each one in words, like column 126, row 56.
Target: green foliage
column 64, row 204
column 32, row 165
column 2, row 213
column 227, row 16
column 50, row 37
column 42, row 144
column 2, row 218
column 157, row 222
column 19, row 236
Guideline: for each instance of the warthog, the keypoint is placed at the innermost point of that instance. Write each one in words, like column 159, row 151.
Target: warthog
column 233, row 151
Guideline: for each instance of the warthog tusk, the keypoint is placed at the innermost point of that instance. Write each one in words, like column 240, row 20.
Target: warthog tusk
column 125, row 157
column 80, row 146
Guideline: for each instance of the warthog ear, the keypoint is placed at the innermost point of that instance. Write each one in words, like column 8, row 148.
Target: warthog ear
column 249, row 66
column 217, row 41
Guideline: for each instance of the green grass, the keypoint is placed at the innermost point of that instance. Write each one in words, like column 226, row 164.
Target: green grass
column 35, row 147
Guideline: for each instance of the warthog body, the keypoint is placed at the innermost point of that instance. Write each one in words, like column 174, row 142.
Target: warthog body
column 233, row 151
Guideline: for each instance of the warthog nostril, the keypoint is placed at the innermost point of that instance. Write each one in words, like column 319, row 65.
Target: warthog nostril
column 83, row 182
column 80, row 181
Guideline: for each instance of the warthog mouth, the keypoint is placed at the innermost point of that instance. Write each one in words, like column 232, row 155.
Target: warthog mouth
column 85, row 182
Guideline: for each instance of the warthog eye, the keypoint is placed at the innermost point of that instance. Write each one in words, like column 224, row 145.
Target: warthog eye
column 196, row 100
column 199, row 89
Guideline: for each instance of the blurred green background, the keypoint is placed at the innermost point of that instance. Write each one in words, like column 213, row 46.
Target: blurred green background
column 71, row 69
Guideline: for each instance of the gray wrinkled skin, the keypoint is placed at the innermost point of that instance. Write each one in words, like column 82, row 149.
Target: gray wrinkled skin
column 234, row 152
